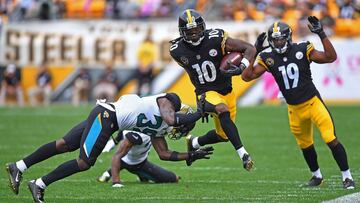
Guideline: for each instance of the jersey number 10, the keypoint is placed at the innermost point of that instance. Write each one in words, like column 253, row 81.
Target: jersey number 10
column 203, row 73
column 290, row 72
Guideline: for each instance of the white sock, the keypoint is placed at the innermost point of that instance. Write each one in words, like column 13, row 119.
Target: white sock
column 195, row 143
column 241, row 152
column 346, row 174
column 39, row 182
column 21, row 165
column 317, row 173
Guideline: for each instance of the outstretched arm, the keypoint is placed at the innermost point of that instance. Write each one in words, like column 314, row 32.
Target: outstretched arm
column 253, row 72
column 123, row 149
column 329, row 53
column 161, row 148
column 173, row 118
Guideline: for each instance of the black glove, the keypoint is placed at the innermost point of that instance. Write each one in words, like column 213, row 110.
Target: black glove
column 233, row 69
column 259, row 43
column 202, row 153
column 316, row 27
column 201, row 108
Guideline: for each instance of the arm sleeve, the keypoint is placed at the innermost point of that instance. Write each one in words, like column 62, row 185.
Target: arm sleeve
column 181, row 118
column 134, row 138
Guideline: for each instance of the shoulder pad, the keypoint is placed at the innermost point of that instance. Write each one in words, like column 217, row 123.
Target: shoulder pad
column 134, row 138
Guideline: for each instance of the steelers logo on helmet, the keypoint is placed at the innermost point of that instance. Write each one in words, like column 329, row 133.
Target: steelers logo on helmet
column 280, row 37
column 192, row 27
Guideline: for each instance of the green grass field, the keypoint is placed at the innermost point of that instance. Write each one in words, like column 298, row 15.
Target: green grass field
column 279, row 166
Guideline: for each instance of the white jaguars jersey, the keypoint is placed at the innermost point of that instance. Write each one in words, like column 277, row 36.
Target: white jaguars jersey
column 140, row 115
column 138, row 152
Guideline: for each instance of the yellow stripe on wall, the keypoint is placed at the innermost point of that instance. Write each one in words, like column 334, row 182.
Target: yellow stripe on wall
column 129, row 88
column 58, row 75
column 184, row 88
column 240, row 87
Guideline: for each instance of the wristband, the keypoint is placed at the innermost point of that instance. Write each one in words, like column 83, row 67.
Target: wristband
column 174, row 156
column 322, row 35
column 245, row 62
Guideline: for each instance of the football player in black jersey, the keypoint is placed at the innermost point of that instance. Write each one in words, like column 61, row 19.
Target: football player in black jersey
column 289, row 63
column 200, row 51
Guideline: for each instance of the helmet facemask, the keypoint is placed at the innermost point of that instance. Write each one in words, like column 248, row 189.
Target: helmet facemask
column 280, row 40
column 194, row 34
column 192, row 27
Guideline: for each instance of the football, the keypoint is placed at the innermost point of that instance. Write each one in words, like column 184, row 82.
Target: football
column 233, row 57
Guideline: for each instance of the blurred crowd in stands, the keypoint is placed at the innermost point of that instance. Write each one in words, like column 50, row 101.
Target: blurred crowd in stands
column 338, row 15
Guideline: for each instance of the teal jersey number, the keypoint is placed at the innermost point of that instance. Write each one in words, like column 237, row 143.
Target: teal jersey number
column 150, row 129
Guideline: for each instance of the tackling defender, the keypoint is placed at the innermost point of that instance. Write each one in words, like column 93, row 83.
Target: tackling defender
column 153, row 115
column 200, row 51
column 289, row 63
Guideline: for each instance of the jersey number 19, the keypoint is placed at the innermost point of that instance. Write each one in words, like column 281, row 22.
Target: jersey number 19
column 290, row 72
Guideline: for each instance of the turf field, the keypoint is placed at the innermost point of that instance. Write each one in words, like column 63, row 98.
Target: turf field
column 279, row 166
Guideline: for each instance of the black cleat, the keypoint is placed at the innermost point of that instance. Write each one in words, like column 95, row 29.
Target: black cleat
column 36, row 192
column 247, row 162
column 349, row 184
column 190, row 148
column 189, row 140
column 15, row 177
column 315, row 181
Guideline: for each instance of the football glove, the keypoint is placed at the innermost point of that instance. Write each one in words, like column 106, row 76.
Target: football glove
column 316, row 27
column 233, row 69
column 202, row 153
column 259, row 43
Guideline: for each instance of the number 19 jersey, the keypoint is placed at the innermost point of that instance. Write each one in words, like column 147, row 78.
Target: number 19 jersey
column 202, row 62
column 291, row 71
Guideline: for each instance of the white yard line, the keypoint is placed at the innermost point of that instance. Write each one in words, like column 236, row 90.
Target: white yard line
column 353, row 198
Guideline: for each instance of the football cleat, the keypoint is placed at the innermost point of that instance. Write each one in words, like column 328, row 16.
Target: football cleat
column 315, row 181
column 349, row 184
column 104, row 178
column 143, row 179
column 15, row 177
column 190, row 148
column 36, row 192
column 189, row 140
column 247, row 162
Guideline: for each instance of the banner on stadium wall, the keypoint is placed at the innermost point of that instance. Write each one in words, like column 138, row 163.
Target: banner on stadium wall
column 97, row 42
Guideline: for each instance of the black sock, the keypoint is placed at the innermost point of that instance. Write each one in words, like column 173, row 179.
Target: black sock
column 311, row 158
column 109, row 171
column 210, row 137
column 42, row 153
column 230, row 130
column 64, row 170
column 340, row 156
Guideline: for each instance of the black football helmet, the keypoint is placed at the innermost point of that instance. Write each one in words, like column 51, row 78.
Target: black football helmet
column 280, row 37
column 178, row 132
column 192, row 27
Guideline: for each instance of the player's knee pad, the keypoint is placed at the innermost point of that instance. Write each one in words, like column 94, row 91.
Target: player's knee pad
column 333, row 143
column 83, row 165
column 221, row 108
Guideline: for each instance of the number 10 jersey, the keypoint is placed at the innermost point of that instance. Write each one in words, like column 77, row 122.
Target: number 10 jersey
column 202, row 62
